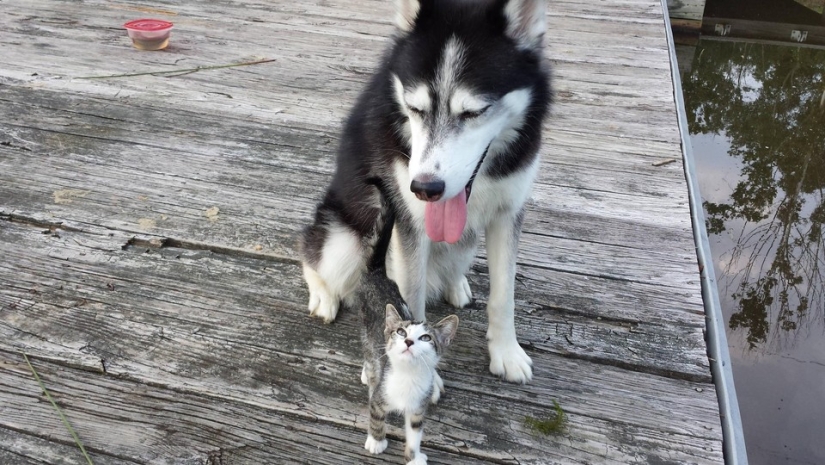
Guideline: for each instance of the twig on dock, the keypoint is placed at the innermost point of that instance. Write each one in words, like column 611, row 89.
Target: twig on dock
column 665, row 162
column 179, row 72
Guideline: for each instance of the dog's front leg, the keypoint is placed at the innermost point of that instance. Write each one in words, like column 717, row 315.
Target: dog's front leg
column 410, row 250
column 409, row 254
column 507, row 358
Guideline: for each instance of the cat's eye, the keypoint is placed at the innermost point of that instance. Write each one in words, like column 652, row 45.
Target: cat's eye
column 401, row 332
column 416, row 111
column 426, row 338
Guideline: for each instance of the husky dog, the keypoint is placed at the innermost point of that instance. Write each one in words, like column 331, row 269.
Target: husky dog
column 400, row 359
column 448, row 130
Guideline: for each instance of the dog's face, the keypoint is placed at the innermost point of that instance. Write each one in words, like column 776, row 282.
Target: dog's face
column 464, row 75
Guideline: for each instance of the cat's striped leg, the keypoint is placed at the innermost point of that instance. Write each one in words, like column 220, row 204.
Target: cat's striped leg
column 376, row 435
column 412, row 451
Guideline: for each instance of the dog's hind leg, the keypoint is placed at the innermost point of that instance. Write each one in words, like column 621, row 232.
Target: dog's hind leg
column 333, row 263
column 507, row 358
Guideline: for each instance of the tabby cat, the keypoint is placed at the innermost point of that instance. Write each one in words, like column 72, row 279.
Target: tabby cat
column 400, row 359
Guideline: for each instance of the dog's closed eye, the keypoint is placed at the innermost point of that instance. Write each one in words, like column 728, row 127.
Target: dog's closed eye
column 470, row 114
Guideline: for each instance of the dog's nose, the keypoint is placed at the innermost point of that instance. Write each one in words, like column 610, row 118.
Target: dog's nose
column 409, row 342
column 427, row 188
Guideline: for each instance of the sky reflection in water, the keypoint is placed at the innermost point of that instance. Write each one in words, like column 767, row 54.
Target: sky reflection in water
column 757, row 120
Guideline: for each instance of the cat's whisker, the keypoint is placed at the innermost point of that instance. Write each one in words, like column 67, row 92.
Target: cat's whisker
column 405, row 155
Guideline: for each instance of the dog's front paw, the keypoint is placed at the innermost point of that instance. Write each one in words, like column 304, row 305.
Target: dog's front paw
column 375, row 446
column 420, row 459
column 322, row 304
column 458, row 293
column 508, row 360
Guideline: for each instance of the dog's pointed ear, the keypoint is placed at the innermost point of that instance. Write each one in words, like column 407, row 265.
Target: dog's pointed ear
column 406, row 12
column 526, row 22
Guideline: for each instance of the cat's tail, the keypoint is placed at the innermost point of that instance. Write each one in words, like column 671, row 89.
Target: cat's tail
column 383, row 228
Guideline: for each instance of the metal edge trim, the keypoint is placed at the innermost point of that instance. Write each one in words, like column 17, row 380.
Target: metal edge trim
column 733, row 440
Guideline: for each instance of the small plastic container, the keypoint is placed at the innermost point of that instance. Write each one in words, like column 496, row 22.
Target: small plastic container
column 149, row 34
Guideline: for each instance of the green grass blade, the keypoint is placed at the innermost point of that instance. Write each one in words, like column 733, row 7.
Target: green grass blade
column 59, row 412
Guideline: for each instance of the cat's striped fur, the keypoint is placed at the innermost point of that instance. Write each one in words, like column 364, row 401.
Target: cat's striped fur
column 400, row 359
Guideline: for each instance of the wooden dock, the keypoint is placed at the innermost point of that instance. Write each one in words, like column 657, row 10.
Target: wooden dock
column 147, row 246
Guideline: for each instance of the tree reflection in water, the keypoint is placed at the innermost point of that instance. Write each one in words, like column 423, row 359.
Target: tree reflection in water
column 769, row 102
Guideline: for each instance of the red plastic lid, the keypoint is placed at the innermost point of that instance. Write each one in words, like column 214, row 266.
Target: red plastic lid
column 148, row 25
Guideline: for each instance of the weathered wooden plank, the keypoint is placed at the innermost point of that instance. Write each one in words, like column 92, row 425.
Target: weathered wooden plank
column 107, row 152
column 165, row 325
column 268, row 21
column 122, row 120
column 157, row 424
column 621, row 193
column 367, row 18
column 305, row 52
column 23, row 449
column 102, row 29
column 631, row 340
column 144, row 424
column 539, row 288
column 327, row 96
column 581, row 74
column 92, row 190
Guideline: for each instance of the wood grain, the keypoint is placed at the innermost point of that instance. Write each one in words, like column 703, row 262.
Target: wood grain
column 210, row 324
column 148, row 261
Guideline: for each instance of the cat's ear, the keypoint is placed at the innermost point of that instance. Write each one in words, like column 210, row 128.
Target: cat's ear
column 445, row 330
column 393, row 319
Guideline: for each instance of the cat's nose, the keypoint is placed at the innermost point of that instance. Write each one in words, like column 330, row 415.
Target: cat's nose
column 409, row 342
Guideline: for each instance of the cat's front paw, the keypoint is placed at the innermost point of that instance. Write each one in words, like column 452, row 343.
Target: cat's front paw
column 375, row 446
column 438, row 389
column 364, row 379
column 458, row 293
column 420, row 459
column 508, row 360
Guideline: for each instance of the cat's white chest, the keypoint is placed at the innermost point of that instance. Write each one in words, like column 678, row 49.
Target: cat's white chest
column 407, row 391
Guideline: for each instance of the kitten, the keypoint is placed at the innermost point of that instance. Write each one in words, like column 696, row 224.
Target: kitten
column 400, row 359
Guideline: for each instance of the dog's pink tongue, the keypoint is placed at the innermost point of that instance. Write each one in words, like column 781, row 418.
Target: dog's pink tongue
column 444, row 221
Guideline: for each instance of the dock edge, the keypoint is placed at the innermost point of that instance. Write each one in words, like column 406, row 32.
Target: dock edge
column 733, row 440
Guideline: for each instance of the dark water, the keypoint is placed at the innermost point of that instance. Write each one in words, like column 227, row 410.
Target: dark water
column 757, row 120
